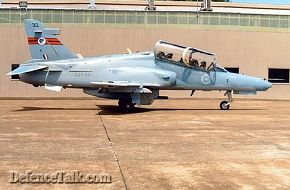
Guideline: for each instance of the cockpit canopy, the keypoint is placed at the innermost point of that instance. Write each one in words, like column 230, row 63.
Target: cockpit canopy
column 186, row 56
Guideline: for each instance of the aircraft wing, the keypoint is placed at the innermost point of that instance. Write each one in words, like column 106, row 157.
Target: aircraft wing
column 124, row 84
column 115, row 84
column 26, row 69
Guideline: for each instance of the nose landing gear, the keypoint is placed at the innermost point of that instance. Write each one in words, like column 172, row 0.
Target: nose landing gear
column 225, row 105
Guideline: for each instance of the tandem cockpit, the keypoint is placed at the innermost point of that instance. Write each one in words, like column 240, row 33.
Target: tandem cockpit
column 186, row 56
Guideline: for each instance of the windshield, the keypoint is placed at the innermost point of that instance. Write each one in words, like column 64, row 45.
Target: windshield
column 186, row 56
column 219, row 68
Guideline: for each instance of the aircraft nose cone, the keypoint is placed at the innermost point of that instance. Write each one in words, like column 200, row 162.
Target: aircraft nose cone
column 265, row 85
column 268, row 85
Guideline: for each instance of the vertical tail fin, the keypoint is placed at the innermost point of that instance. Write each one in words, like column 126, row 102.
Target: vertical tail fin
column 43, row 42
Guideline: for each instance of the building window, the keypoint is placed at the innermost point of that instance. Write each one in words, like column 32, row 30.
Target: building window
column 278, row 75
column 233, row 69
column 13, row 67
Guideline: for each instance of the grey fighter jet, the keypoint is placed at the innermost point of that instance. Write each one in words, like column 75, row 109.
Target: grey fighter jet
column 133, row 78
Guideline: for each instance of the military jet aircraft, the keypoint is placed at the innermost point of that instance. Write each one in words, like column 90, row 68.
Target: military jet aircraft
column 133, row 78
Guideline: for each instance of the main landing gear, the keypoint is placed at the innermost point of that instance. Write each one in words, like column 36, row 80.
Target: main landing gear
column 225, row 105
column 126, row 105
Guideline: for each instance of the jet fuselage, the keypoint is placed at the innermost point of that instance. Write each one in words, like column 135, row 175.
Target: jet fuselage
column 142, row 68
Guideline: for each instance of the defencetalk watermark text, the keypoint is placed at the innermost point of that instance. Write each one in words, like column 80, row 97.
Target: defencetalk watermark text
column 58, row 177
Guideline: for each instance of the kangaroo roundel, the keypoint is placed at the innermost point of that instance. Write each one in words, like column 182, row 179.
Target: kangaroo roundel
column 205, row 79
column 41, row 41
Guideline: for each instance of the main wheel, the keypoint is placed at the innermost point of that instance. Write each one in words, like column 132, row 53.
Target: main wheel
column 225, row 105
column 126, row 105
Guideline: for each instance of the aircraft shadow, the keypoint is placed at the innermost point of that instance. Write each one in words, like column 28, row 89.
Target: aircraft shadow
column 24, row 108
column 114, row 110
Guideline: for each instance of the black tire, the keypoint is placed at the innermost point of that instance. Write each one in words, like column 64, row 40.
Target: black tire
column 224, row 105
column 126, row 105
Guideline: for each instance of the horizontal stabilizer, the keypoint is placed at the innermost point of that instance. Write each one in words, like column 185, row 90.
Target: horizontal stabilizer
column 53, row 88
column 26, row 69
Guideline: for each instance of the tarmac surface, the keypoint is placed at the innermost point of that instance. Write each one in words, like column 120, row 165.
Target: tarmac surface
column 173, row 144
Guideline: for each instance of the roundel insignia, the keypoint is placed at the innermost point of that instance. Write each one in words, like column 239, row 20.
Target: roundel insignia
column 41, row 41
column 205, row 79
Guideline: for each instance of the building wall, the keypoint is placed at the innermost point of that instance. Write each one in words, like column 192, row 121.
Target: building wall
column 252, row 49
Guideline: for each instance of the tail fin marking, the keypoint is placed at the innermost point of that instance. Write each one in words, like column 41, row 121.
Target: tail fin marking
column 44, row 43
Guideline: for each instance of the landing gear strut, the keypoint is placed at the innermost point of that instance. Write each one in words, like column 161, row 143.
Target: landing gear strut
column 225, row 105
column 126, row 105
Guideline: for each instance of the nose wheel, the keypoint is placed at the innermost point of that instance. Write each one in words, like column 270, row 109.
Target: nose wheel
column 225, row 105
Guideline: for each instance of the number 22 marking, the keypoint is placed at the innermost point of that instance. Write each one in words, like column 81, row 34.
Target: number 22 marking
column 34, row 25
